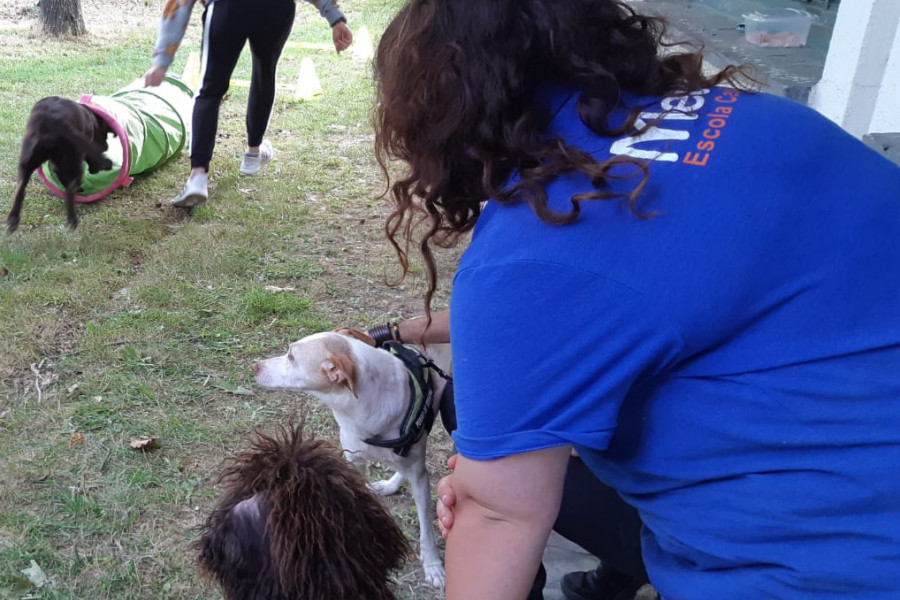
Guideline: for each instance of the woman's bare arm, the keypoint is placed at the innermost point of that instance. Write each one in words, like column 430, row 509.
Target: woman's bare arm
column 438, row 332
column 503, row 514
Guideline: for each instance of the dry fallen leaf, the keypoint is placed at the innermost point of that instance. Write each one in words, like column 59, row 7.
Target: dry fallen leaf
column 35, row 574
column 76, row 439
column 144, row 443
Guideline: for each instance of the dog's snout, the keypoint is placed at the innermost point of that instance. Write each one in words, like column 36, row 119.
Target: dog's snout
column 257, row 367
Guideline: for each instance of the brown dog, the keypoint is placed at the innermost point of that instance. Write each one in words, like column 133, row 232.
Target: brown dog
column 67, row 134
column 298, row 521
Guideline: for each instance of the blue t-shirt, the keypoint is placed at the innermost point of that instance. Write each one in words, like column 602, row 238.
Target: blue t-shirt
column 731, row 366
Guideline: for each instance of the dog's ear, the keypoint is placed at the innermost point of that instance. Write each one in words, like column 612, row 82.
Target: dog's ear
column 340, row 370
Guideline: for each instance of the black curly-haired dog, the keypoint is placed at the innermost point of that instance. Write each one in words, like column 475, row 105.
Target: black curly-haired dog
column 67, row 134
column 298, row 521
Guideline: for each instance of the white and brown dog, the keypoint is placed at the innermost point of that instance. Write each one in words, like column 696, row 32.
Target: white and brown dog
column 384, row 402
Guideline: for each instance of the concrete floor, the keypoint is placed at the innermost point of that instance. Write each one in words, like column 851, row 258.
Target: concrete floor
column 788, row 72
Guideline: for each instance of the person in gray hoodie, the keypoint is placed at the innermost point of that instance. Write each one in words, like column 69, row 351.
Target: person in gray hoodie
column 227, row 26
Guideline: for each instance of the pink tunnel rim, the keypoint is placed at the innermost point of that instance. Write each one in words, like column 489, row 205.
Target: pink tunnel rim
column 123, row 178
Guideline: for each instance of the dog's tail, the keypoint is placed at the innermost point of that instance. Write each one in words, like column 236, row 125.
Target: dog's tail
column 306, row 519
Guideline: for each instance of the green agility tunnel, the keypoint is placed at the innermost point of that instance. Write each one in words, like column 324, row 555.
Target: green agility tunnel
column 152, row 125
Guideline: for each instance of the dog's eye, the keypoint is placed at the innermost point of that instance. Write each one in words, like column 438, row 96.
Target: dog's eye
column 290, row 357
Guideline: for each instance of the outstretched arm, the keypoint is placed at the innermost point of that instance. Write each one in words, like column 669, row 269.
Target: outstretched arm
column 503, row 514
column 416, row 330
column 340, row 32
column 341, row 36
column 437, row 332
column 172, row 25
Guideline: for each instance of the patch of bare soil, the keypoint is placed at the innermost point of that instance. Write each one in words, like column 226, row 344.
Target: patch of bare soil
column 106, row 18
column 107, row 21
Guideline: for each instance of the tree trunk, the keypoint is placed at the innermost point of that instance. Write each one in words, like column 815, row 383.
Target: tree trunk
column 62, row 17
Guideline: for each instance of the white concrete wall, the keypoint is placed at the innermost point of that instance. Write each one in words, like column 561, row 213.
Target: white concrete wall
column 886, row 118
column 860, row 86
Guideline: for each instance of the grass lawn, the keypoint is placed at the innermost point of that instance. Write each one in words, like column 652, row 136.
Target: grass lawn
column 145, row 320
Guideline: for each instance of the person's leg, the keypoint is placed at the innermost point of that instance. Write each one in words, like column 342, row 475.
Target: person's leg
column 224, row 36
column 272, row 27
column 596, row 518
column 223, row 40
column 537, row 588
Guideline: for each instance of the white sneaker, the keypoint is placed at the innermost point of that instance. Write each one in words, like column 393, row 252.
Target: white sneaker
column 195, row 192
column 253, row 162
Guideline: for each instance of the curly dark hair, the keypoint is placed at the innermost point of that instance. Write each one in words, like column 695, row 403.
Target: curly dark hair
column 298, row 520
column 454, row 80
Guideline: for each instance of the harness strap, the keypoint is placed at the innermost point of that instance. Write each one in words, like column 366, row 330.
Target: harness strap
column 420, row 414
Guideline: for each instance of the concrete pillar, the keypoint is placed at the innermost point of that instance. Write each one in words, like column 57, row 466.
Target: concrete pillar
column 861, row 75
column 887, row 108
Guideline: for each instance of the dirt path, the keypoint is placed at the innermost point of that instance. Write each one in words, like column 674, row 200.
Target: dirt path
column 108, row 18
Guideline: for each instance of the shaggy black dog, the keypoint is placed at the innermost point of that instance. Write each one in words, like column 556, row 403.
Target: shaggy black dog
column 298, row 522
column 67, row 134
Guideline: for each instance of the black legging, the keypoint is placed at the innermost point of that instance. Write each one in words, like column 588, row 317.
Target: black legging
column 227, row 26
column 596, row 518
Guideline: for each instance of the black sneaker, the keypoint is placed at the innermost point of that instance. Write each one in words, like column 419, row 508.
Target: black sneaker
column 602, row 583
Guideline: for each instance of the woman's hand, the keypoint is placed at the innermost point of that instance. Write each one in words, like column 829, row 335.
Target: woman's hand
column 341, row 36
column 154, row 76
column 446, row 500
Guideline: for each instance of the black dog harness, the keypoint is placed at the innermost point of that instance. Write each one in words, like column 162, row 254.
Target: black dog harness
column 420, row 414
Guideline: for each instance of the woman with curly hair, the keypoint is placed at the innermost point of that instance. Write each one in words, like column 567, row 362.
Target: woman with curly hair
column 694, row 286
